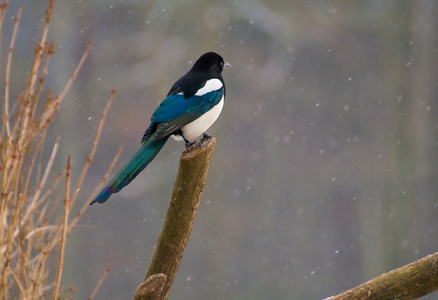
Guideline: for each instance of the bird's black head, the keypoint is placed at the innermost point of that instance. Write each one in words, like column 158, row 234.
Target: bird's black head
column 210, row 63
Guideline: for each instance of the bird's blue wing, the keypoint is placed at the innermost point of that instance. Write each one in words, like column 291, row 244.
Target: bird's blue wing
column 176, row 111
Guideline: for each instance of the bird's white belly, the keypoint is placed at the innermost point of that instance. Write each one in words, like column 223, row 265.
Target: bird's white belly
column 197, row 127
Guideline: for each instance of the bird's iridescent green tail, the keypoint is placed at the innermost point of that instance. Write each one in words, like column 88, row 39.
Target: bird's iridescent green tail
column 148, row 150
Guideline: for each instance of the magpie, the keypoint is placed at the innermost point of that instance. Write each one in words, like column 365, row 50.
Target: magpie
column 192, row 105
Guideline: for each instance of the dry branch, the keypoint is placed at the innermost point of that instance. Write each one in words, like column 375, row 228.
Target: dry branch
column 412, row 281
column 99, row 284
column 32, row 229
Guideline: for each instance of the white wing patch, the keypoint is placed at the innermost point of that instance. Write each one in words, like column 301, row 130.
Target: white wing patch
column 211, row 85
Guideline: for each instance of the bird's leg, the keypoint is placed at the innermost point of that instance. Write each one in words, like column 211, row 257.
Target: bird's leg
column 205, row 136
column 188, row 143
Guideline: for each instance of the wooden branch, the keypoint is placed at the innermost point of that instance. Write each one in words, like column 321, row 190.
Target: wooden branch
column 186, row 195
column 412, row 281
column 152, row 288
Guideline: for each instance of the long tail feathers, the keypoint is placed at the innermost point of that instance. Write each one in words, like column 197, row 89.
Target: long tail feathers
column 148, row 150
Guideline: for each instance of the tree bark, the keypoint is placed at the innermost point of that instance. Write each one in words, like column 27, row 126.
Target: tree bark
column 186, row 195
column 412, row 281
column 151, row 288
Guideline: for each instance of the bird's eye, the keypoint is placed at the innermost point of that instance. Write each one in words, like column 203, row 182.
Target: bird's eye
column 221, row 64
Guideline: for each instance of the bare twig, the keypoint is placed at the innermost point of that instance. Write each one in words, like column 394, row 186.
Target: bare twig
column 8, row 70
column 90, row 159
column 46, row 116
column 3, row 7
column 64, row 232
column 95, row 143
column 93, row 294
column 39, row 52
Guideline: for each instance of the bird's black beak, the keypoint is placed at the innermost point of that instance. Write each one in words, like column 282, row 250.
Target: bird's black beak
column 226, row 66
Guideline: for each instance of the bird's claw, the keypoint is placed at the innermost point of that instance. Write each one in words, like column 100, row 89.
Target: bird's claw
column 205, row 136
column 189, row 145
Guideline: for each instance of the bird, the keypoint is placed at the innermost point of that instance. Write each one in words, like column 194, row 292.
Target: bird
column 192, row 105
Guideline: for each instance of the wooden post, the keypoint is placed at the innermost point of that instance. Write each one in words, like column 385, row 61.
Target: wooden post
column 186, row 195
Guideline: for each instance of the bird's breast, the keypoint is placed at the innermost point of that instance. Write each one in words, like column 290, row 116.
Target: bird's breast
column 197, row 127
